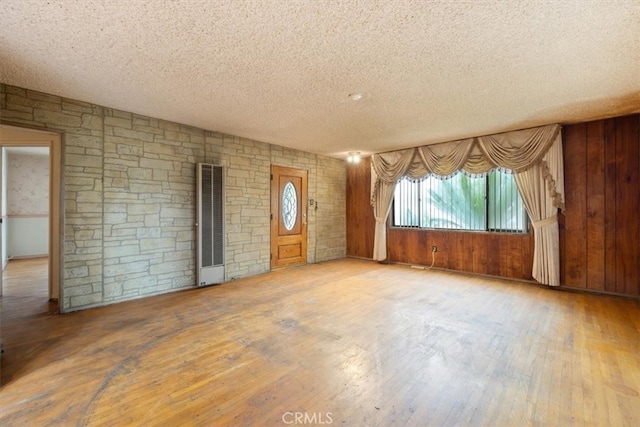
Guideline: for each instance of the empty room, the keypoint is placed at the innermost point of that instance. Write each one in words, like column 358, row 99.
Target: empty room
column 358, row 213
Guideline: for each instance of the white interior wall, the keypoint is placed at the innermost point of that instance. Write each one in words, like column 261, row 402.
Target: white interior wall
column 27, row 203
column 3, row 212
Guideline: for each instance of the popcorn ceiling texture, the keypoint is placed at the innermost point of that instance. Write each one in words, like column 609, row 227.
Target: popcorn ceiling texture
column 129, row 198
column 281, row 71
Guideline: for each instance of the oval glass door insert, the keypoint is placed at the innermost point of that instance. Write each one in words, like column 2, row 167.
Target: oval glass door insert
column 289, row 206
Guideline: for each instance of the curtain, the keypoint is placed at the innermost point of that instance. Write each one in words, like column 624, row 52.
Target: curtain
column 392, row 167
column 538, row 187
column 445, row 159
column 535, row 157
column 381, row 209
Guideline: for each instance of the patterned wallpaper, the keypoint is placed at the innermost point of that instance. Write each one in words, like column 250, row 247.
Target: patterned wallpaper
column 27, row 184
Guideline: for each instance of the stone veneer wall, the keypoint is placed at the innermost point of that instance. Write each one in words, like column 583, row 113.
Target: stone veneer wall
column 129, row 198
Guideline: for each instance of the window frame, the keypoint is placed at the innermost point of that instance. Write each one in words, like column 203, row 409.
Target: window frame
column 526, row 229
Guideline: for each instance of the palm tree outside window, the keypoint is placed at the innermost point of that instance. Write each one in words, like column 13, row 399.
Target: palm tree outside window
column 486, row 203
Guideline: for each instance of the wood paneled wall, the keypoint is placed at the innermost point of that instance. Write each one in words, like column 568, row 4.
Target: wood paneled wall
column 599, row 233
column 506, row 255
column 360, row 219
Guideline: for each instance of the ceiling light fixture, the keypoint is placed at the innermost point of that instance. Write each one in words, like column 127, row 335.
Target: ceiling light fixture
column 356, row 96
column 354, row 157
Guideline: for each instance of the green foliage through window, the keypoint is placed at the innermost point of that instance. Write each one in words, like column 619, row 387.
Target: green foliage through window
column 486, row 203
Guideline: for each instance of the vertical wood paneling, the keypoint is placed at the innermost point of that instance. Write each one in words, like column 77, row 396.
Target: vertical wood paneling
column 599, row 233
column 595, row 184
column 506, row 255
column 360, row 219
column 627, row 205
column 446, row 247
column 467, row 250
column 575, row 166
column 498, row 251
column 516, row 257
column 459, row 259
column 602, row 245
column 610, row 222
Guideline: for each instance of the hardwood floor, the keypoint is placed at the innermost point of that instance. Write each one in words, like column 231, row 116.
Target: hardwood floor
column 26, row 277
column 347, row 342
column 25, row 289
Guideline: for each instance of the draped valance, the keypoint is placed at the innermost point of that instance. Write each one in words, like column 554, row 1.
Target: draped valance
column 516, row 151
column 538, row 149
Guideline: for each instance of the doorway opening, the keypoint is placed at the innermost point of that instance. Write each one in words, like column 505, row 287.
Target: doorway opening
column 30, row 237
column 30, row 204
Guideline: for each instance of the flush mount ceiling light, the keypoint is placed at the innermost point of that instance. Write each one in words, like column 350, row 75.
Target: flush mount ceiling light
column 354, row 157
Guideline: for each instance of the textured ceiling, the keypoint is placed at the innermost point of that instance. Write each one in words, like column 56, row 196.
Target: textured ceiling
column 281, row 71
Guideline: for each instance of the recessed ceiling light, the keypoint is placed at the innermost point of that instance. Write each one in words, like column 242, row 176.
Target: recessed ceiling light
column 356, row 96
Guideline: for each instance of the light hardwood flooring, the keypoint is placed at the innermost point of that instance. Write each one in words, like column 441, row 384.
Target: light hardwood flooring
column 25, row 287
column 348, row 342
column 26, row 277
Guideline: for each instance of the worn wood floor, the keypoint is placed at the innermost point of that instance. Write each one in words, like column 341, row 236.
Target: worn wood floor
column 26, row 289
column 347, row 342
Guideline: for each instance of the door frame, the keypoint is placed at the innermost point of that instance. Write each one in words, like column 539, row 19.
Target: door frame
column 18, row 135
column 275, row 214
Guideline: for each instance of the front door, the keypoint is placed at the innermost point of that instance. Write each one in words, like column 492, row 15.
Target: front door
column 288, row 216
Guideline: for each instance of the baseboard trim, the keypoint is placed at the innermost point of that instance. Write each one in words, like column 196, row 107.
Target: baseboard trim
column 28, row 256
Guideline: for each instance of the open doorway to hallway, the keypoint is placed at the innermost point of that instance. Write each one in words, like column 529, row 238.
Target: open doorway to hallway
column 30, row 234
column 25, row 227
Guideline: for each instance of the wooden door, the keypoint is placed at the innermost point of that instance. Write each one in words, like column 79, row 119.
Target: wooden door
column 288, row 216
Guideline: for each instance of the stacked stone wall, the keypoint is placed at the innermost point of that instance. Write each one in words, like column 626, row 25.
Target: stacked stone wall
column 129, row 198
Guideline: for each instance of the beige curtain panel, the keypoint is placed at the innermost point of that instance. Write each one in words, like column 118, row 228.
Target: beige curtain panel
column 535, row 157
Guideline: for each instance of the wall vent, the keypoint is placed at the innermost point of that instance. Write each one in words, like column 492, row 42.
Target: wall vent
column 210, row 224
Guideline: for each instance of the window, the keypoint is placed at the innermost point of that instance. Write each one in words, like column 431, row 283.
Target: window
column 486, row 203
column 289, row 206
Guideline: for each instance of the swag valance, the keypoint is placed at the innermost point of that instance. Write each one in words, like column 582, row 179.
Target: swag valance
column 533, row 155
